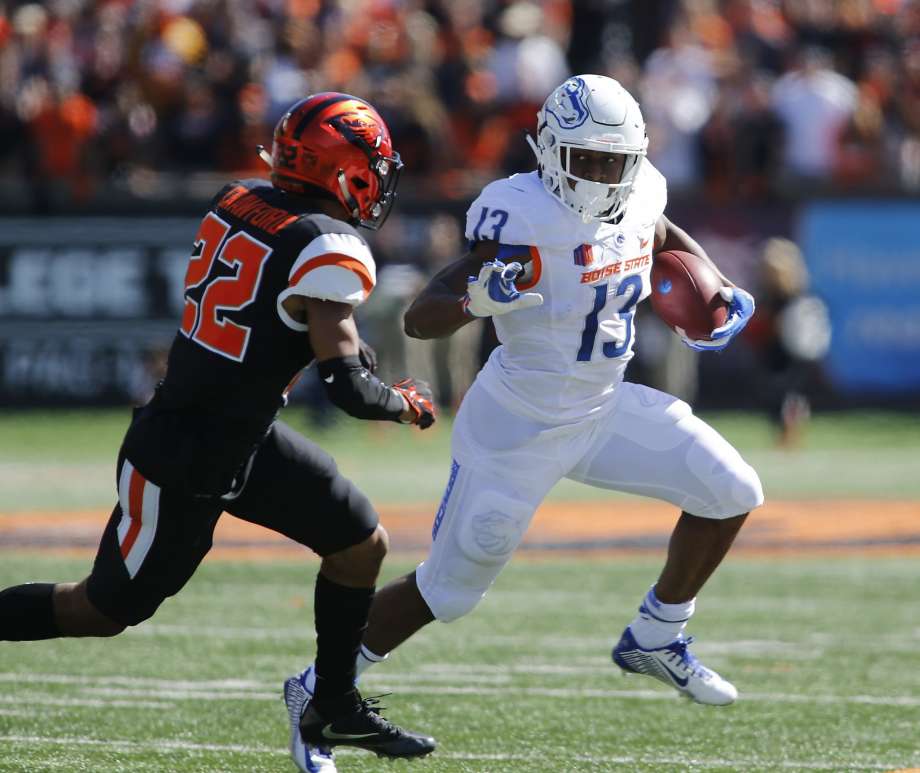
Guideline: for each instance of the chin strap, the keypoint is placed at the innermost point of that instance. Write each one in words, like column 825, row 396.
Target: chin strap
column 533, row 145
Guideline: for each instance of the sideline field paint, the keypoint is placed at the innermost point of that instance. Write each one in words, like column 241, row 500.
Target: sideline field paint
column 620, row 525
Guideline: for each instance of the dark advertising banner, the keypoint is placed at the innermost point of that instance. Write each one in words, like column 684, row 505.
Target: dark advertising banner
column 87, row 306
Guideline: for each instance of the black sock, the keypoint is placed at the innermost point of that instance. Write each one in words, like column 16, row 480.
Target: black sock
column 341, row 619
column 27, row 613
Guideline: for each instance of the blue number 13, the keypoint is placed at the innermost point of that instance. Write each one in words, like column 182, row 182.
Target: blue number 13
column 498, row 217
column 589, row 334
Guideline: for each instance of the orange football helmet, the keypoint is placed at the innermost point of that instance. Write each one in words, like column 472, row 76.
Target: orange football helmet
column 340, row 144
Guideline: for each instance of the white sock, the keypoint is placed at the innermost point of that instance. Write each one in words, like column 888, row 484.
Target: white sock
column 658, row 624
column 366, row 659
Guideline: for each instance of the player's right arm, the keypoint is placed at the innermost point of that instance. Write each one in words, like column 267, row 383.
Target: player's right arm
column 480, row 284
column 438, row 310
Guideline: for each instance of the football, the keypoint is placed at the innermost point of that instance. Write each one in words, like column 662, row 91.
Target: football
column 685, row 294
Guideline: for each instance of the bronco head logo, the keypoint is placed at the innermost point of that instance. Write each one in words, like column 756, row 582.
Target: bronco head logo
column 568, row 107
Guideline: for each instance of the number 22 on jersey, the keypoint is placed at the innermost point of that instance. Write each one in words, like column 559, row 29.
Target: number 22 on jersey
column 246, row 256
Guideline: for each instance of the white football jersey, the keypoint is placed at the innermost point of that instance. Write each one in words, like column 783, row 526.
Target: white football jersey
column 561, row 361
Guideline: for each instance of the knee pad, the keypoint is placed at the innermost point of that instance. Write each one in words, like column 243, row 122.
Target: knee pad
column 747, row 490
column 456, row 578
column 494, row 528
column 719, row 483
column 738, row 492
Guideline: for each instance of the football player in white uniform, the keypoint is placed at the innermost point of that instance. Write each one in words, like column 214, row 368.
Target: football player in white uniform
column 559, row 259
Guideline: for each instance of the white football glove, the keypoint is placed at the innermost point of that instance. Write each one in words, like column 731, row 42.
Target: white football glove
column 493, row 293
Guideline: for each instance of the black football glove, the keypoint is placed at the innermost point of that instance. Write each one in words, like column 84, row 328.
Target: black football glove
column 418, row 395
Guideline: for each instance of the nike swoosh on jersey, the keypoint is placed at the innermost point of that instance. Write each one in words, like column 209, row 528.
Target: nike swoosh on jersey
column 334, row 736
column 330, row 379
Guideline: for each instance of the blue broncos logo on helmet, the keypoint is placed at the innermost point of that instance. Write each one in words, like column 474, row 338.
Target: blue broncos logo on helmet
column 570, row 110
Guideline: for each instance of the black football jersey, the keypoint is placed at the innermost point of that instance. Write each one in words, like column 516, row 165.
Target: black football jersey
column 237, row 350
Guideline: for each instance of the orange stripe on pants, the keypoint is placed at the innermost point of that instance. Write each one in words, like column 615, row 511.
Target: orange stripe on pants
column 135, row 511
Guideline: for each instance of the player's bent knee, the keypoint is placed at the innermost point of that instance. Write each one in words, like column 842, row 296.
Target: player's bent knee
column 484, row 542
column 743, row 493
column 455, row 606
column 358, row 564
column 377, row 545
column 454, row 588
column 747, row 489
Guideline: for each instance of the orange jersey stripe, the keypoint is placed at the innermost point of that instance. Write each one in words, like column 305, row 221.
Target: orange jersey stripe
column 135, row 511
column 537, row 270
column 336, row 259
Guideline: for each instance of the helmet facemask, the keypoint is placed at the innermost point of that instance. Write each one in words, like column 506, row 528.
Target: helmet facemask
column 369, row 199
column 589, row 199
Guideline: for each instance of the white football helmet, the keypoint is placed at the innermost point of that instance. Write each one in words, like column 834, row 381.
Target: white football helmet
column 594, row 113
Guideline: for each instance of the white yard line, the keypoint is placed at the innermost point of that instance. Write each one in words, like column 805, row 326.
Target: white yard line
column 162, row 745
column 130, row 689
column 166, row 746
column 244, row 633
column 810, row 647
column 37, row 699
column 138, row 681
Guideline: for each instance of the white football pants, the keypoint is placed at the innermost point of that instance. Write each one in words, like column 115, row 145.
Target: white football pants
column 648, row 443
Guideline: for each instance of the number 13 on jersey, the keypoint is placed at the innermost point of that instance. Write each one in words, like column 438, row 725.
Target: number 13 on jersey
column 246, row 256
column 630, row 287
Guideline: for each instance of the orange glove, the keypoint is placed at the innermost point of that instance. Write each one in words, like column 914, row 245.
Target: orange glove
column 418, row 396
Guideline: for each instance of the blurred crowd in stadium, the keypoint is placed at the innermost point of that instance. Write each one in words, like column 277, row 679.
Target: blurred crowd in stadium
column 91, row 89
column 745, row 100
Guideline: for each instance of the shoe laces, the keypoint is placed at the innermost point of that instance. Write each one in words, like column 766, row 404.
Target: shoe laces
column 371, row 707
column 680, row 651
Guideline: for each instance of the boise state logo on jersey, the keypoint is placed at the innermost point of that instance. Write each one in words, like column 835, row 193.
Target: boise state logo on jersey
column 570, row 110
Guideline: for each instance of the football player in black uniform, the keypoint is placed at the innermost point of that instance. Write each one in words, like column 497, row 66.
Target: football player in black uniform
column 275, row 274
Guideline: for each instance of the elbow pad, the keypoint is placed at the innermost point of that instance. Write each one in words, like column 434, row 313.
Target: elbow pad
column 358, row 392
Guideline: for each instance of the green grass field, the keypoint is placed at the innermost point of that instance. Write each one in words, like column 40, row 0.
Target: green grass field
column 825, row 651
column 826, row 655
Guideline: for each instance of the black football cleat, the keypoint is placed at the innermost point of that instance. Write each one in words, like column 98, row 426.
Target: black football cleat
column 363, row 727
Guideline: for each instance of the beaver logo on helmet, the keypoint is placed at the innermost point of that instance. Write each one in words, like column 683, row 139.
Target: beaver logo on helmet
column 339, row 144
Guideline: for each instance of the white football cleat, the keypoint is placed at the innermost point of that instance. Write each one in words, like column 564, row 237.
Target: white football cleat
column 309, row 759
column 677, row 667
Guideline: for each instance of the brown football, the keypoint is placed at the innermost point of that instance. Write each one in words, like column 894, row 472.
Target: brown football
column 685, row 294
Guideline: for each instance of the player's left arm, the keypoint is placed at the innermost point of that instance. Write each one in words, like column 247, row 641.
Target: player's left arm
column 348, row 382
column 669, row 236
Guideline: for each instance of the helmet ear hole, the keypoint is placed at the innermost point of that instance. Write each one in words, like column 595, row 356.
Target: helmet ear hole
column 359, row 183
